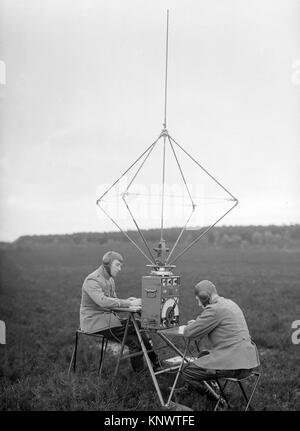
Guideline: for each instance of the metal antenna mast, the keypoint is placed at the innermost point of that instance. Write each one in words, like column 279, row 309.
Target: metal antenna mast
column 166, row 75
column 162, row 247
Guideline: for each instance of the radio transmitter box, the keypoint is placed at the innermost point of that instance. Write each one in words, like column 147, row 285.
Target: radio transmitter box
column 160, row 297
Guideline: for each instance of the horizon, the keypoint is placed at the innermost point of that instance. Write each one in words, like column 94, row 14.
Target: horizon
column 118, row 231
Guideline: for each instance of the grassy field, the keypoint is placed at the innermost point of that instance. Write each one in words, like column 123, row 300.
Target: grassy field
column 39, row 301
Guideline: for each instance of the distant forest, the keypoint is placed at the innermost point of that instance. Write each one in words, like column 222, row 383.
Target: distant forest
column 221, row 236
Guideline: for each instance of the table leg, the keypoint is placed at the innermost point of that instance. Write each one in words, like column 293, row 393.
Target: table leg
column 178, row 373
column 122, row 345
column 148, row 362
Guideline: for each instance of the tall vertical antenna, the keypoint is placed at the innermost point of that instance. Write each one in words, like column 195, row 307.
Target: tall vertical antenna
column 163, row 190
column 164, row 132
column 166, row 77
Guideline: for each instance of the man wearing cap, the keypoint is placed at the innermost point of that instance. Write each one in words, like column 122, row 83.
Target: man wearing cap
column 98, row 292
column 233, row 353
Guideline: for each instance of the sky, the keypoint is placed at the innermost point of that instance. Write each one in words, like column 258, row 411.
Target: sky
column 82, row 96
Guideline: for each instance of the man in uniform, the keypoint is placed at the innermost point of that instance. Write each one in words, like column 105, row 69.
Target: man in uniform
column 233, row 353
column 98, row 292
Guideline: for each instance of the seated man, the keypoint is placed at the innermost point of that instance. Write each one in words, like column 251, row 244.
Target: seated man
column 233, row 353
column 98, row 291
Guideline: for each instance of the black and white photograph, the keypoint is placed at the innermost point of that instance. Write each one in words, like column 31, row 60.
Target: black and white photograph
column 149, row 208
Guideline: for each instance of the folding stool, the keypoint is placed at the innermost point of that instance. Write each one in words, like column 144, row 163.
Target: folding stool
column 253, row 374
column 103, row 344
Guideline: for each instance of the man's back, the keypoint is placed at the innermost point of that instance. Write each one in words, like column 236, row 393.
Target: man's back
column 232, row 326
column 225, row 326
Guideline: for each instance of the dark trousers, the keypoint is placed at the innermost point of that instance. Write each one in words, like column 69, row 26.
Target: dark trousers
column 194, row 375
column 117, row 333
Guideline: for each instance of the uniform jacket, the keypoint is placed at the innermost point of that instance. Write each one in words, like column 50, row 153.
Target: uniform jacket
column 98, row 291
column 225, row 326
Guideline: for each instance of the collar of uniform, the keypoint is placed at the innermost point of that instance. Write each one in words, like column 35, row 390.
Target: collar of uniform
column 104, row 273
column 216, row 299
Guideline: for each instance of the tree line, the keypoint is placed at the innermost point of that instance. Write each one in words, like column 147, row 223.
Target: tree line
column 220, row 236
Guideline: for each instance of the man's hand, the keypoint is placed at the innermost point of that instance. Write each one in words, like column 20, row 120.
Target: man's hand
column 181, row 329
column 136, row 302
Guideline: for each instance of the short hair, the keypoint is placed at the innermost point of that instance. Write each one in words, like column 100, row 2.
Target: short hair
column 205, row 289
column 110, row 256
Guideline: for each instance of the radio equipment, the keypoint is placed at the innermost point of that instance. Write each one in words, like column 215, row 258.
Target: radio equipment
column 160, row 299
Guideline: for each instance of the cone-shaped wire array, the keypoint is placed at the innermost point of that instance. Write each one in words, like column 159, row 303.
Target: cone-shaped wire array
column 168, row 190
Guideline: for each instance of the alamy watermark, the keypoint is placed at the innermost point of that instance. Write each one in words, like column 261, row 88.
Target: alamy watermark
column 296, row 332
column 145, row 201
column 2, row 332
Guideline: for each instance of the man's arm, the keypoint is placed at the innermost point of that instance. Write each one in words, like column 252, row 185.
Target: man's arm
column 205, row 323
column 197, row 318
column 94, row 290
